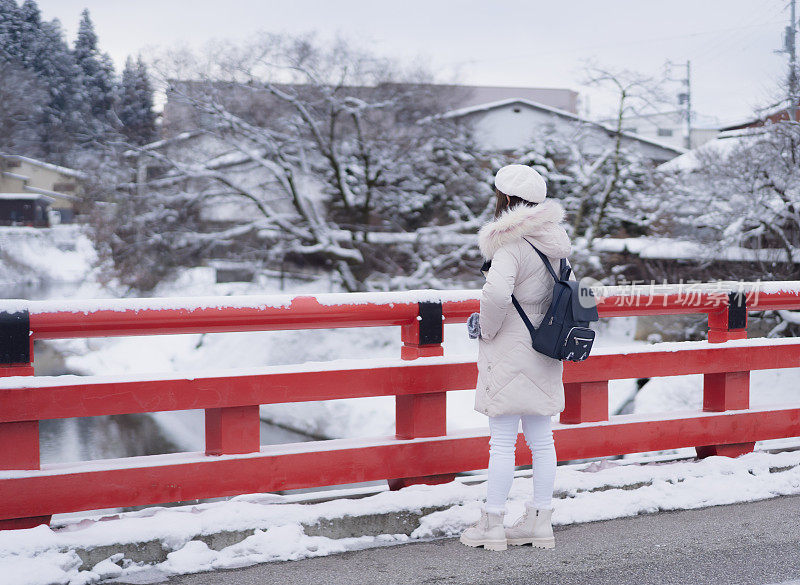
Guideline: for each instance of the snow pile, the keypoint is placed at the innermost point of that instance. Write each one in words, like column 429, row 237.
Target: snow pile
column 585, row 493
column 62, row 253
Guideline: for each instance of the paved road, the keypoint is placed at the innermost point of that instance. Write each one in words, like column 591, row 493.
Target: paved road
column 747, row 544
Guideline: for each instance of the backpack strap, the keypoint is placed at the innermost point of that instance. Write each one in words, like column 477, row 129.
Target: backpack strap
column 547, row 264
column 564, row 269
column 528, row 324
column 518, row 307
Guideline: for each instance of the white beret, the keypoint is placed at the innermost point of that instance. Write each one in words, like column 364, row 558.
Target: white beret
column 521, row 181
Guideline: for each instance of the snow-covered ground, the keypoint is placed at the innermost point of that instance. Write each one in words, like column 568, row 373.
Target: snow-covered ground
column 584, row 493
column 60, row 254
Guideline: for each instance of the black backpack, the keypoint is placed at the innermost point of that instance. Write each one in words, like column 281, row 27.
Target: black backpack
column 564, row 332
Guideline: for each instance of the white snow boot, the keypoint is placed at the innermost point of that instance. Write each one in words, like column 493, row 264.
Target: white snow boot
column 533, row 528
column 488, row 533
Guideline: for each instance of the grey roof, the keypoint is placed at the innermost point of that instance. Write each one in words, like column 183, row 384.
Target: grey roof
column 560, row 98
column 25, row 197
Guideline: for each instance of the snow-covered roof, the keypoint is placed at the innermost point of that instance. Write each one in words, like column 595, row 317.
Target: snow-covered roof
column 674, row 249
column 51, row 193
column 39, row 163
column 720, row 146
column 15, row 176
column 25, row 197
column 460, row 112
column 766, row 113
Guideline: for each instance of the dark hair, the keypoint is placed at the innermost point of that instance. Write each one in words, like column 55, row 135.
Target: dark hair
column 501, row 204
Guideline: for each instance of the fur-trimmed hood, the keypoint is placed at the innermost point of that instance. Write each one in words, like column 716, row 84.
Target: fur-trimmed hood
column 541, row 224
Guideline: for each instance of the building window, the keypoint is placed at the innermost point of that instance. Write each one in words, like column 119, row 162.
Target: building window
column 64, row 187
column 517, row 110
column 631, row 129
column 665, row 131
column 155, row 172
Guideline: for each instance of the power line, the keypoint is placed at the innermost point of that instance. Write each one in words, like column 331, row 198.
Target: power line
column 725, row 42
column 638, row 42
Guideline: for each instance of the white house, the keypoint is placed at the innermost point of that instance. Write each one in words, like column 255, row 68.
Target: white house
column 513, row 123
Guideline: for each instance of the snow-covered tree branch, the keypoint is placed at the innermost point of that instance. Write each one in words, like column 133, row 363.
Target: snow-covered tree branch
column 321, row 151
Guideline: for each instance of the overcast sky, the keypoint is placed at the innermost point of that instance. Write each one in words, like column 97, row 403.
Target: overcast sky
column 730, row 43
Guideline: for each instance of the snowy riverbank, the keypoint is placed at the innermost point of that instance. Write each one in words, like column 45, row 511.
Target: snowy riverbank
column 37, row 259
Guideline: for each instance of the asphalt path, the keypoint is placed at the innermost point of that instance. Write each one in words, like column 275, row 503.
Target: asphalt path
column 747, row 544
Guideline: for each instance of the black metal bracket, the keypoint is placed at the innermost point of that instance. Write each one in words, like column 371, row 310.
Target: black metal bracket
column 15, row 343
column 430, row 324
column 737, row 310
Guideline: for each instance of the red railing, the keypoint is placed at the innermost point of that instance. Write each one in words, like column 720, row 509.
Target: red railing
column 421, row 451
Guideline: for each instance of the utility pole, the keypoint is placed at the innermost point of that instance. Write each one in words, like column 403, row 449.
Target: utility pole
column 685, row 99
column 688, row 83
column 791, row 48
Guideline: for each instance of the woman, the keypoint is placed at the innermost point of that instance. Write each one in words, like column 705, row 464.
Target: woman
column 515, row 382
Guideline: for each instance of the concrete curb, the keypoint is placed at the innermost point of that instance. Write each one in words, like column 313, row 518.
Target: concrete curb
column 396, row 522
column 154, row 551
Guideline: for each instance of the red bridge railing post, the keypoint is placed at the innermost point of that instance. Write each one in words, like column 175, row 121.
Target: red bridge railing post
column 727, row 390
column 232, row 430
column 19, row 441
column 422, row 415
column 585, row 402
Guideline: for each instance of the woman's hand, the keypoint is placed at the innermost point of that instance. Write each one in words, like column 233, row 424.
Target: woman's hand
column 474, row 326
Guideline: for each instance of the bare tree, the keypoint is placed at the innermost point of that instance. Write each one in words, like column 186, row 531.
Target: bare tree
column 577, row 161
column 635, row 94
column 341, row 156
column 743, row 204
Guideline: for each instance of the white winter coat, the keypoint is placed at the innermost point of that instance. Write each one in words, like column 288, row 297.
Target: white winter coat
column 513, row 378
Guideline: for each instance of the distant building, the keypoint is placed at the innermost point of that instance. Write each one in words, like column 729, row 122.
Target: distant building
column 179, row 116
column 60, row 185
column 554, row 97
column 25, row 209
column 505, row 125
column 722, row 146
column 777, row 114
column 512, row 124
column 668, row 128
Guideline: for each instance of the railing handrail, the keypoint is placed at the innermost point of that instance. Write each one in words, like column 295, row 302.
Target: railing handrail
column 147, row 316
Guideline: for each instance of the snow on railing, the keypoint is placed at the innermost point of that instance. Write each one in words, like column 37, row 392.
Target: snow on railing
column 421, row 451
column 148, row 316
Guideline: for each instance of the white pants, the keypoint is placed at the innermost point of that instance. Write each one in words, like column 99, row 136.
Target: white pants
column 539, row 436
